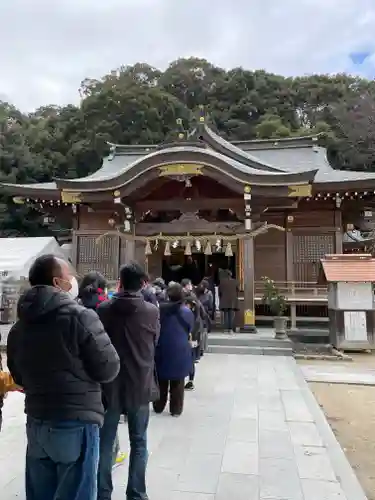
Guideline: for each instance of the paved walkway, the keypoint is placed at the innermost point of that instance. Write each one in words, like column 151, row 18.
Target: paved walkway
column 251, row 431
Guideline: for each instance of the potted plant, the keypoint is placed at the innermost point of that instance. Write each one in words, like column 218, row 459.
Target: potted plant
column 276, row 301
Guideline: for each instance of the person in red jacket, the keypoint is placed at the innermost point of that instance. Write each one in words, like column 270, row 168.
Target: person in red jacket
column 92, row 290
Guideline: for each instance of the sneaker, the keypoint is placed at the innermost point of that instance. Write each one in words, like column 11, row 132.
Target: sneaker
column 189, row 386
column 121, row 456
column 120, row 459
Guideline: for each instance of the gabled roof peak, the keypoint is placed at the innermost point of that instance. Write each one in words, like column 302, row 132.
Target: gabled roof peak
column 193, row 140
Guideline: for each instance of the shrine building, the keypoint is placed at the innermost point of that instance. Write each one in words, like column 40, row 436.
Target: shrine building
column 260, row 208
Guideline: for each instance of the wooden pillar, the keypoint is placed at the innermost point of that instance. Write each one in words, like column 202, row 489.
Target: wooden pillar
column 249, row 289
column 75, row 251
column 129, row 251
column 75, row 237
column 129, row 228
column 289, row 266
column 240, row 264
column 338, row 231
column 248, row 267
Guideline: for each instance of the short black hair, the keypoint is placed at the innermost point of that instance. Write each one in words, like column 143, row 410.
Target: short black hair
column 185, row 282
column 175, row 292
column 132, row 277
column 160, row 283
column 44, row 269
column 191, row 300
column 94, row 280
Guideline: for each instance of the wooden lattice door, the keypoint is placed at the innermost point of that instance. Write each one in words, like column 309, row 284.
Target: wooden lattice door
column 102, row 256
column 308, row 249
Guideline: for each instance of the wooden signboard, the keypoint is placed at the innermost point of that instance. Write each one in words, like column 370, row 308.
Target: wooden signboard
column 355, row 326
column 300, row 191
column 180, row 169
column 71, row 197
column 354, row 296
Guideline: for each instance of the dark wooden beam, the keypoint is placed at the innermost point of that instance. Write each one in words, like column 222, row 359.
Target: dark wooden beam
column 185, row 205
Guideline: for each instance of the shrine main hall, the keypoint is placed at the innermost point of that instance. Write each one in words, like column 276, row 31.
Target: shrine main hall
column 261, row 208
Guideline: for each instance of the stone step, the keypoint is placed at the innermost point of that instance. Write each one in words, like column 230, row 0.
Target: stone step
column 249, row 340
column 250, row 350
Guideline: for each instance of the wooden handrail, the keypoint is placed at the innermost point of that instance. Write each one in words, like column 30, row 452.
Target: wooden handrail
column 298, row 289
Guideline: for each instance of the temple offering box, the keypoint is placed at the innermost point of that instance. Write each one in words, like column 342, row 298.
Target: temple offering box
column 350, row 280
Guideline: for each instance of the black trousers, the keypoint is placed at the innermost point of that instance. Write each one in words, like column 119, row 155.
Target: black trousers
column 176, row 390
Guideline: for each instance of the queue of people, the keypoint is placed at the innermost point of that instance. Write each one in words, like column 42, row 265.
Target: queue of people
column 83, row 360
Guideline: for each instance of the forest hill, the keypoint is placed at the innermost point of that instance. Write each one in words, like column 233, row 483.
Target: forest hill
column 141, row 105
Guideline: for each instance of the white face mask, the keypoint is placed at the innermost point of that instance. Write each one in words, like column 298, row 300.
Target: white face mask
column 73, row 292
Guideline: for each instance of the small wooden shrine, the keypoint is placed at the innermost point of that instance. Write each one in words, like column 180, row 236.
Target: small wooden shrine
column 351, row 304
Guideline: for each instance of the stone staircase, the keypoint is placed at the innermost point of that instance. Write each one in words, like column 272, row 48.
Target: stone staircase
column 262, row 342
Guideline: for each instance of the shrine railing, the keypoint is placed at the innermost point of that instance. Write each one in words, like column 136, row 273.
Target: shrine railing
column 295, row 291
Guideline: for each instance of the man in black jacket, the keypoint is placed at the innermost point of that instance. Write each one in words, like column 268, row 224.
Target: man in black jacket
column 133, row 326
column 59, row 352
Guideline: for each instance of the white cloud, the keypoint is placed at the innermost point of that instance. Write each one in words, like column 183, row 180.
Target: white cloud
column 49, row 47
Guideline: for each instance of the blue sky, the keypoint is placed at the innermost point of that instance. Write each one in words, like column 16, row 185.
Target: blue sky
column 48, row 47
column 363, row 63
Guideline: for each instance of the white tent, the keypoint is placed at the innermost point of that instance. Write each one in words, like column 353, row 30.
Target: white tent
column 18, row 254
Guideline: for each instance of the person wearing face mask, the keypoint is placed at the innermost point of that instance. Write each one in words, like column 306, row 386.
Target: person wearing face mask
column 60, row 354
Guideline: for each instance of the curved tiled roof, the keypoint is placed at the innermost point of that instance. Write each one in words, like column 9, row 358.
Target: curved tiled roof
column 111, row 167
column 129, row 170
column 267, row 162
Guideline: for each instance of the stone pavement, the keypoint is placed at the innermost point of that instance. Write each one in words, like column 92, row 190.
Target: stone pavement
column 252, row 430
column 338, row 373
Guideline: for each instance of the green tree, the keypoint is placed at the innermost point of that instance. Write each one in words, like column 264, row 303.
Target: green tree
column 140, row 104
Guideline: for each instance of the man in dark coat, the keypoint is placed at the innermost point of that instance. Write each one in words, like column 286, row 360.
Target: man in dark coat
column 133, row 326
column 228, row 294
column 59, row 352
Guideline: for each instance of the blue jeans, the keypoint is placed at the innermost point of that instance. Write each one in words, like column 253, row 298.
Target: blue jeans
column 137, row 425
column 195, row 354
column 229, row 316
column 61, row 460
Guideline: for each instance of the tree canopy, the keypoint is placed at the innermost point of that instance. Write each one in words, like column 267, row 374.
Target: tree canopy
column 140, row 105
